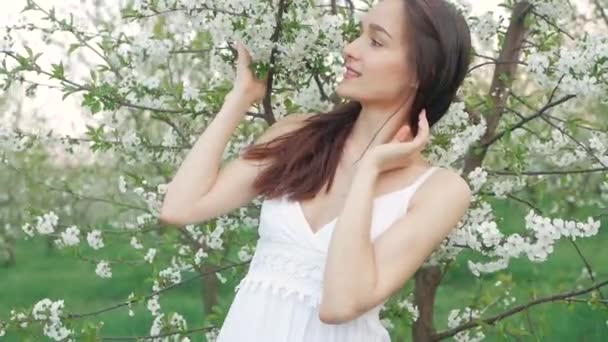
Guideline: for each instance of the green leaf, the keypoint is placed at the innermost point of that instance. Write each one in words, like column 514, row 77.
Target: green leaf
column 93, row 76
column 29, row 6
column 69, row 91
column 30, row 53
column 73, row 47
column 58, row 70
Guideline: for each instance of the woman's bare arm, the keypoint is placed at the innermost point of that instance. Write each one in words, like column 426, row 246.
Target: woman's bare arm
column 201, row 190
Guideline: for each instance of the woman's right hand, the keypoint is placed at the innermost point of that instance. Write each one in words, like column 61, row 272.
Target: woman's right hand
column 245, row 82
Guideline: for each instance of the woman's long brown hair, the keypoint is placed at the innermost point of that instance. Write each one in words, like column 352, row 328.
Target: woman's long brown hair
column 304, row 160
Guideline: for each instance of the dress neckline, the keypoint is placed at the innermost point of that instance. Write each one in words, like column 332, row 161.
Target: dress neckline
column 307, row 226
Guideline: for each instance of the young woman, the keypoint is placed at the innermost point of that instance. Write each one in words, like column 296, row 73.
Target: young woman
column 351, row 207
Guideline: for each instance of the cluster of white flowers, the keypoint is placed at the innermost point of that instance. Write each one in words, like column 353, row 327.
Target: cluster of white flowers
column 537, row 247
column 553, row 229
column 552, row 9
column 69, row 237
column 573, row 66
column 153, row 305
column 177, row 322
column 477, row 178
column 485, row 27
column 172, row 274
column 199, row 256
column 214, row 239
column 131, row 141
column 130, row 300
column 153, row 201
column 411, row 308
column 150, row 255
column 502, row 187
column 50, row 311
column 103, row 269
column 294, row 53
column 246, row 253
column 146, row 218
column 95, row 239
column 457, row 317
column 455, row 128
column 309, row 98
column 45, row 225
column 157, row 327
column 558, row 149
column 135, row 243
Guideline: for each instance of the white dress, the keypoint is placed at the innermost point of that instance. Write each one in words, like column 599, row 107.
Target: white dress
column 278, row 299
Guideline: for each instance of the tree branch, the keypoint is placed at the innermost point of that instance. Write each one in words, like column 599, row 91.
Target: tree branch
column 539, row 113
column 517, row 309
column 546, row 172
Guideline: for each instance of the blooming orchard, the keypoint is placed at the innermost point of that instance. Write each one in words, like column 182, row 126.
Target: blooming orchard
column 526, row 128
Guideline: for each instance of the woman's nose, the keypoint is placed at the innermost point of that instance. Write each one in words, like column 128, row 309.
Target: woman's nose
column 349, row 50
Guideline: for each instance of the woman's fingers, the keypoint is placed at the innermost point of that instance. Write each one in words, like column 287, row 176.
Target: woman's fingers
column 244, row 58
column 423, row 130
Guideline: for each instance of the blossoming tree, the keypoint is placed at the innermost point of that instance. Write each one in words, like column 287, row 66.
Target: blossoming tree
column 527, row 126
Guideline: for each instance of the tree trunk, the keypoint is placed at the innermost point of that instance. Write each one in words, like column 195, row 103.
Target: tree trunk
column 209, row 291
column 427, row 281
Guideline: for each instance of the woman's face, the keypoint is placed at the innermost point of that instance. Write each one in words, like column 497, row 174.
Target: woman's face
column 378, row 56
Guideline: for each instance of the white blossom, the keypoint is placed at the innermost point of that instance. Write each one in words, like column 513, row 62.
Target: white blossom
column 103, row 269
column 477, row 178
column 135, row 243
column 71, row 236
column 150, row 255
column 153, row 305
column 172, row 274
column 50, row 312
column 46, row 223
column 94, row 239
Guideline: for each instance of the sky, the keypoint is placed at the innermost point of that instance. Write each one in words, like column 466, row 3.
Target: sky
column 66, row 117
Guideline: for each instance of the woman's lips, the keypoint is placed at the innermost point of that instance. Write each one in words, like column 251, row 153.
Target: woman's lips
column 350, row 73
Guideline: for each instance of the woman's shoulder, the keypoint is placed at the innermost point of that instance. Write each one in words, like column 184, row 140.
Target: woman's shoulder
column 448, row 179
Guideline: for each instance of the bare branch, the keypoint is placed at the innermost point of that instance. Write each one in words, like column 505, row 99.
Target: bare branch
column 494, row 63
column 552, row 24
column 583, row 146
column 150, row 295
column 517, row 309
column 587, row 264
column 600, row 9
column 73, row 193
column 540, row 112
column 546, row 172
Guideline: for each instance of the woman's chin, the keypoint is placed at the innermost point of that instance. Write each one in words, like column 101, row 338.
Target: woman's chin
column 343, row 91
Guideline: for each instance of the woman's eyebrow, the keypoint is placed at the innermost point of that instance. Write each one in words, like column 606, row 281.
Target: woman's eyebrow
column 377, row 28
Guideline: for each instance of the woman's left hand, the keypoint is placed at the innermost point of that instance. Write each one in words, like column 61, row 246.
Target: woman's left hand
column 396, row 153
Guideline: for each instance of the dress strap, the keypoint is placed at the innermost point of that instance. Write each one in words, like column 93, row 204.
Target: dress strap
column 422, row 178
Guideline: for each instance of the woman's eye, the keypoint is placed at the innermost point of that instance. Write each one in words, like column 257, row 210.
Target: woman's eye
column 375, row 42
